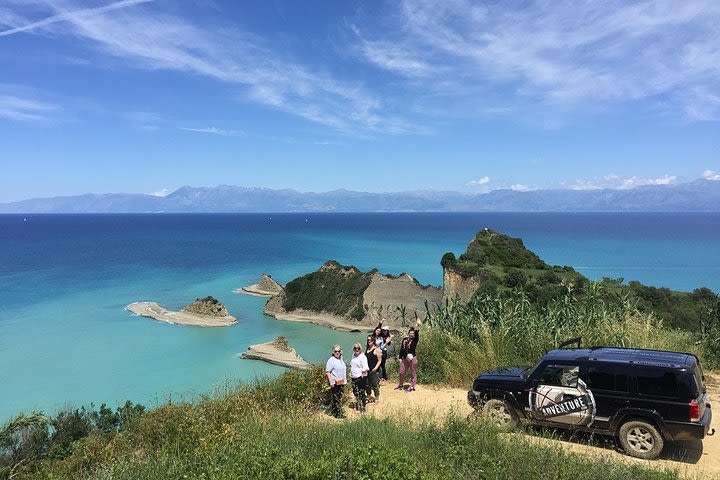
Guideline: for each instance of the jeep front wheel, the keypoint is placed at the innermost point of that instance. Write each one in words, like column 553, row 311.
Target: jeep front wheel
column 641, row 439
column 500, row 413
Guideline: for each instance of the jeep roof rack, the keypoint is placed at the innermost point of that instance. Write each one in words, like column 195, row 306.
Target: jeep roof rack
column 572, row 341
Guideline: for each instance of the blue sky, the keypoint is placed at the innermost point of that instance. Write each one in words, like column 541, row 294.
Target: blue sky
column 147, row 96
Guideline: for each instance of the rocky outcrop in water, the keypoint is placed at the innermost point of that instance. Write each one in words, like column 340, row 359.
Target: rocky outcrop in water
column 208, row 306
column 207, row 312
column 266, row 287
column 278, row 352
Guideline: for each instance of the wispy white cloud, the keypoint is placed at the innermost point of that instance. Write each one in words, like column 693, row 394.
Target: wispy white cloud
column 559, row 53
column 68, row 16
column 25, row 105
column 161, row 193
column 711, row 175
column 480, row 181
column 520, row 187
column 620, row 182
column 214, row 131
column 137, row 32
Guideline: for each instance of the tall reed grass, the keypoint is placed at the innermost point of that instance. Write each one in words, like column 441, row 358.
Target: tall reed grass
column 503, row 329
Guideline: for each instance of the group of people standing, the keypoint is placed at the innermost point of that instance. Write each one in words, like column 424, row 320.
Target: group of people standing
column 367, row 367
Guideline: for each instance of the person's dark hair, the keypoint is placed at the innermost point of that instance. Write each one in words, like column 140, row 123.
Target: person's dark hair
column 411, row 329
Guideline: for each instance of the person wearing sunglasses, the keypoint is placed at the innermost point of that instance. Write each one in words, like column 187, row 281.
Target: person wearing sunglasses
column 358, row 373
column 336, row 372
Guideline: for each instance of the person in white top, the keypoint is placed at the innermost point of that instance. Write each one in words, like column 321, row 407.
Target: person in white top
column 336, row 372
column 358, row 373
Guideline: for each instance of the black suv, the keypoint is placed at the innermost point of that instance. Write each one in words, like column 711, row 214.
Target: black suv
column 641, row 397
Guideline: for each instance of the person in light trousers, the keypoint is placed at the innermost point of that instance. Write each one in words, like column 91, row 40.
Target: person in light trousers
column 408, row 359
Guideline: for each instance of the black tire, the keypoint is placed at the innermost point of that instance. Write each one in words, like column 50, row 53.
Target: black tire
column 641, row 439
column 500, row 413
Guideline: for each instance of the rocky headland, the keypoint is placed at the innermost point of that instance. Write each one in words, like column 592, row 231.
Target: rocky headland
column 344, row 298
column 278, row 352
column 203, row 312
column 494, row 264
column 266, row 287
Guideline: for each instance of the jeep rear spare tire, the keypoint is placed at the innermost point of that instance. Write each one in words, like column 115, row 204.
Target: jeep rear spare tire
column 500, row 413
column 641, row 439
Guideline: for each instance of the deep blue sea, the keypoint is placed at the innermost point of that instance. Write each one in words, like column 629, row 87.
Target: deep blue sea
column 66, row 340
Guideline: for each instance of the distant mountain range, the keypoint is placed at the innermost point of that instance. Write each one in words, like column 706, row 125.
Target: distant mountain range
column 697, row 196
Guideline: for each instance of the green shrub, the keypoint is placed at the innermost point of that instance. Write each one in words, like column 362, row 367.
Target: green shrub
column 334, row 288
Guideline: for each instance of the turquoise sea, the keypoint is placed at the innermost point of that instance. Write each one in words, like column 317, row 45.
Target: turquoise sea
column 66, row 340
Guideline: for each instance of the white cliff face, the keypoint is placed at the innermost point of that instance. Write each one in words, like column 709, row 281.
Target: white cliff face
column 460, row 286
column 267, row 284
column 398, row 299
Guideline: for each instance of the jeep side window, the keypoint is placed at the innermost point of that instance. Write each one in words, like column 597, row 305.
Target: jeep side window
column 605, row 377
column 659, row 383
column 560, row 375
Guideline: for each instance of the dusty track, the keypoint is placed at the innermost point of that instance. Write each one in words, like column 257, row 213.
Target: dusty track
column 693, row 460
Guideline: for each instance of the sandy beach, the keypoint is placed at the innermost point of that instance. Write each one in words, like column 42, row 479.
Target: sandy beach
column 323, row 319
column 155, row 311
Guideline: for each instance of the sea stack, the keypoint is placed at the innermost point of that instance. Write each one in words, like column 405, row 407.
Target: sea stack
column 208, row 306
column 278, row 352
column 266, row 287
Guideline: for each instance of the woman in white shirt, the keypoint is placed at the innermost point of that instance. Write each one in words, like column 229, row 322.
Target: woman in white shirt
column 358, row 373
column 335, row 370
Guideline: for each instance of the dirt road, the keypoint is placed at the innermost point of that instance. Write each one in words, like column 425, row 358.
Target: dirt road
column 694, row 460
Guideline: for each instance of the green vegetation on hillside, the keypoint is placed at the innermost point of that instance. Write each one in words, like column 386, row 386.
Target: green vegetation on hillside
column 274, row 430
column 505, row 267
column 333, row 288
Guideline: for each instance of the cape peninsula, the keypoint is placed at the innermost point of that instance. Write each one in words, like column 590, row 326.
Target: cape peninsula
column 203, row 312
column 344, row 298
column 494, row 265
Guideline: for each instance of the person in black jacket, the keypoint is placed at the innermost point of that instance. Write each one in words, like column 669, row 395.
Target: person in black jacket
column 408, row 359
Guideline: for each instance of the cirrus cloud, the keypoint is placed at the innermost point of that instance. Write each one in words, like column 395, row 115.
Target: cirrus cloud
column 560, row 53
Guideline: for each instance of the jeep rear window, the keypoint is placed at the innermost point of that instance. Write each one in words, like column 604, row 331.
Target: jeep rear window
column 699, row 384
column 658, row 383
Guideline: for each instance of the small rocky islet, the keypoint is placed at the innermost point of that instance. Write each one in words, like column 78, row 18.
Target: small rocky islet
column 203, row 312
column 278, row 352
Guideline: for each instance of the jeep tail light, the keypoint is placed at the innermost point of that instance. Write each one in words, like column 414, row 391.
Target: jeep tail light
column 694, row 411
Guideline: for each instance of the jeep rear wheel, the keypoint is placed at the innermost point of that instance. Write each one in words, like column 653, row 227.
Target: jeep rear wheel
column 500, row 413
column 641, row 439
